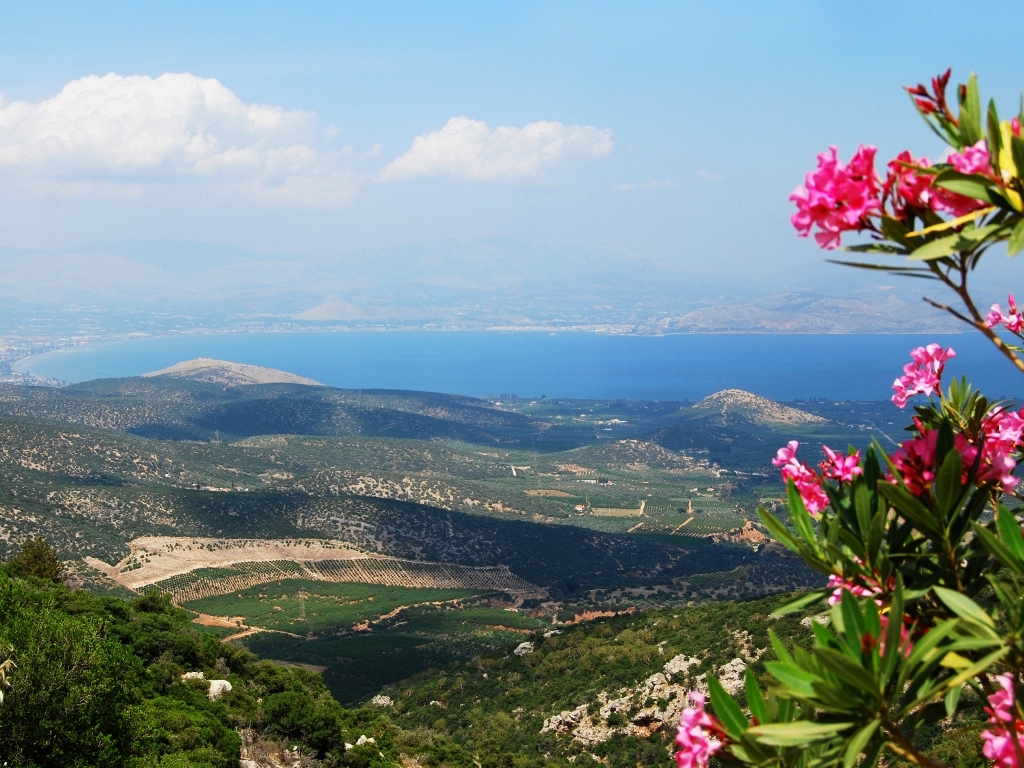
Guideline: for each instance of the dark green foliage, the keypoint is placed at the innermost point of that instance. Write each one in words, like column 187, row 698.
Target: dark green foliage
column 97, row 682
column 38, row 559
column 74, row 691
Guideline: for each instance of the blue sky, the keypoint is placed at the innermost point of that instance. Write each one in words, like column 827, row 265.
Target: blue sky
column 670, row 131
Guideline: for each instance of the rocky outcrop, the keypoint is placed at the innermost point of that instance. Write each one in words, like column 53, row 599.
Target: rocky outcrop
column 649, row 706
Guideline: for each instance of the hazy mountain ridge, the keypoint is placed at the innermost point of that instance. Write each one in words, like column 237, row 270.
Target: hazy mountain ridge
column 808, row 313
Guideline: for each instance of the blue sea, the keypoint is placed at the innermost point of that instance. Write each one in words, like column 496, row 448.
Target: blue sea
column 564, row 364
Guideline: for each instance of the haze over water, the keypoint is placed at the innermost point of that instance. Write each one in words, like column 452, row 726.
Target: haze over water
column 583, row 365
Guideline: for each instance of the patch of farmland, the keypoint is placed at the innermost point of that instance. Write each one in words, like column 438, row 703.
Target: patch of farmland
column 194, row 568
column 381, row 571
column 311, row 607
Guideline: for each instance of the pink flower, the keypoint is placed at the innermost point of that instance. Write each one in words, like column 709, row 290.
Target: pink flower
column 907, row 185
column 1003, row 741
column 840, row 467
column 837, row 584
column 905, row 643
column 915, row 462
column 807, row 483
column 1000, row 747
column 1015, row 126
column 1001, row 702
column 974, row 159
column 1013, row 320
column 1003, row 430
column 922, row 375
column 837, row 198
column 696, row 743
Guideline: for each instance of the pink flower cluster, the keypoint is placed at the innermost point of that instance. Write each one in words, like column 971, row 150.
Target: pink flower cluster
column 837, row 584
column 836, row 466
column 922, row 375
column 1013, row 319
column 1002, row 435
column 837, row 197
column 909, row 183
column 804, row 478
column 698, row 735
column 1002, row 741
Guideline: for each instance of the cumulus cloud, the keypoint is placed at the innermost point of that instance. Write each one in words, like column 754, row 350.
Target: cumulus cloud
column 470, row 149
column 101, row 132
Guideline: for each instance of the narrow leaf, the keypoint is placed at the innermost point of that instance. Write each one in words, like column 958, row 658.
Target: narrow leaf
column 727, row 709
column 799, row 604
column 755, row 699
column 963, row 606
column 857, row 743
column 799, row 733
column 1016, row 241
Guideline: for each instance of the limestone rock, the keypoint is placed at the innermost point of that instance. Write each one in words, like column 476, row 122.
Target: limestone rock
column 523, row 648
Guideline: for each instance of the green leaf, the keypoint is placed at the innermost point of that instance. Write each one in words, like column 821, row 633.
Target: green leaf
column 908, row 506
column 778, row 530
column 797, row 680
column 963, row 606
column 844, row 668
column 799, row 604
column 779, row 647
column 857, row 743
column 755, row 699
column 1001, row 552
column 971, row 185
column 947, row 484
column 1016, row 241
column 995, row 140
column 727, row 709
column 1010, row 532
column 1017, row 149
column 951, row 699
column 970, row 113
column 937, row 249
column 799, row 733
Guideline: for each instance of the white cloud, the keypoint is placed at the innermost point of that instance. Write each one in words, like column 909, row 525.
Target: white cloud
column 707, row 176
column 629, row 186
column 100, row 132
column 468, row 148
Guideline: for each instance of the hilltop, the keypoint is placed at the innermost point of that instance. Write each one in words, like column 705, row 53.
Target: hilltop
column 226, row 372
column 758, row 409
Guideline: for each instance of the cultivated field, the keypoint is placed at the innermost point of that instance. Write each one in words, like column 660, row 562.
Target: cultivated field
column 194, row 568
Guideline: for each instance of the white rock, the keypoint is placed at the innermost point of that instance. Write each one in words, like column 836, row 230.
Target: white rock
column 679, row 665
column 193, row 676
column 245, row 762
column 552, row 633
column 381, row 701
column 523, row 648
column 730, row 675
column 364, row 739
column 217, row 689
column 565, row 721
column 348, row 746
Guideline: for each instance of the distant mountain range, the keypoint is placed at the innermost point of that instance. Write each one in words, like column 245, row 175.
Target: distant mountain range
column 808, row 313
column 106, row 289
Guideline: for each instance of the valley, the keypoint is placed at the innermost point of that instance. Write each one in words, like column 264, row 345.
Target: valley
column 327, row 527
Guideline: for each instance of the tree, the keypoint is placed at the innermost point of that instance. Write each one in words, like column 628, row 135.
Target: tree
column 925, row 561
column 36, row 558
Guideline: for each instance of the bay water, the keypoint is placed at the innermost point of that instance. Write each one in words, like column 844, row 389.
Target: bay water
column 564, row 364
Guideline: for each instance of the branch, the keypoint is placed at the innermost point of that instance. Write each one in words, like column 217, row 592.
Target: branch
column 988, row 332
column 898, row 743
